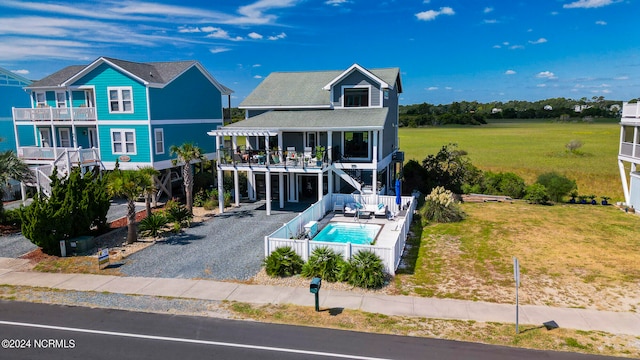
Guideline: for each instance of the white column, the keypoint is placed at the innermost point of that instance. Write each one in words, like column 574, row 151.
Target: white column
column 293, row 196
column 330, row 181
column 220, row 191
column 267, row 184
column 320, row 186
column 374, row 151
column 330, row 147
column 625, row 186
column 281, row 189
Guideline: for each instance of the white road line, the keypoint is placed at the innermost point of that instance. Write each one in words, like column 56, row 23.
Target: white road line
column 191, row 341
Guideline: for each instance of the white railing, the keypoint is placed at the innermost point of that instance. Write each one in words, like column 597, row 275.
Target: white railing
column 630, row 110
column 55, row 114
column 290, row 234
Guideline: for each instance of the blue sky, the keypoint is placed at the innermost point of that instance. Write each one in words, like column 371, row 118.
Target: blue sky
column 447, row 50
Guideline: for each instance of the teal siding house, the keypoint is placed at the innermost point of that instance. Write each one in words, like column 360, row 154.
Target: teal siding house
column 115, row 110
column 11, row 95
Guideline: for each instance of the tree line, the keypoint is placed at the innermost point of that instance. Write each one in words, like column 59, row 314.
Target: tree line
column 476, row 113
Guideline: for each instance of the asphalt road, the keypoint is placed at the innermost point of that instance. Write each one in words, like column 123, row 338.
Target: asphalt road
column 39, row 331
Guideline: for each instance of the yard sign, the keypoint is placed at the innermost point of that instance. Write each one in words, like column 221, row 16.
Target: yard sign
column 103, row 258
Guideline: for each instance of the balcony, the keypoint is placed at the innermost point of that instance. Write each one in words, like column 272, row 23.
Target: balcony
column 34, row 154
column 630, row 112
column 48, row 114
column 271, row 158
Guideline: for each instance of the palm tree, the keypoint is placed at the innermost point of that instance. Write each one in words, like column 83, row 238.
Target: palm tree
column 11, row 167
column 148, row 187
column 187, row 153
column 129, row 184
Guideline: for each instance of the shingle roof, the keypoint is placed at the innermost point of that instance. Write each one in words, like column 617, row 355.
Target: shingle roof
column 302, row 88
column 151, row 72
column 58, row 77
column 319, row 119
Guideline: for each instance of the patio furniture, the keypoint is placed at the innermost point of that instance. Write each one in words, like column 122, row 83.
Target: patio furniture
column 339, row 204
column 292, row 158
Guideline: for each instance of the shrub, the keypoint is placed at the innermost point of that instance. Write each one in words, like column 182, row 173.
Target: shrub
column 323, row 263
column 178, row 214
column 283, row 262
column 573, row 146
column 440, row 206
column 508, row 184
column 536, row 194
column 11, row 217
column 365, row 270
column 557, row 186
column 152, row 225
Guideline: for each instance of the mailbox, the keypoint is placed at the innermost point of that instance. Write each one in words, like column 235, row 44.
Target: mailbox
column 315, row 285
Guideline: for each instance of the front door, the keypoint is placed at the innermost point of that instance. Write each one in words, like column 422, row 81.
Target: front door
column 93, row 138
column 45, row 137
column 65, row 137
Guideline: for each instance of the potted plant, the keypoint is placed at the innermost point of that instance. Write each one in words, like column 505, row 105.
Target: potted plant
column 605, row 200
column 319, row 155
column 593, row 199
column 582, row 199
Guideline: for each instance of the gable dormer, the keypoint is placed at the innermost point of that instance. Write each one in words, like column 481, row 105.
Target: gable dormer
column 357, row 87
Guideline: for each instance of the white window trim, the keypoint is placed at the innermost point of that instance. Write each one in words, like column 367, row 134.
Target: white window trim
column 368, row 87
column 44, row 96
column 120, row 99
column 155, row 141
column 64, row 96
column 123, row 142
column 65, row 130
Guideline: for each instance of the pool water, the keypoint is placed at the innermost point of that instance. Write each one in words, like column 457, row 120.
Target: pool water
column 361, row 234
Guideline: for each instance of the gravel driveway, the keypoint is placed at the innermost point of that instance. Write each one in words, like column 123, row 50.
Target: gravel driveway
column 228, row 246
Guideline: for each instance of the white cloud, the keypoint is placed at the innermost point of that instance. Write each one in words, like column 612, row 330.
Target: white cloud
column 487, row 10
column 539, row 41
column 257, row 76
column 187, row 29
column 516, row 47
column 541, row 85
column 510, row 72
column 432, row 88
column 335, row 2
column 255, row 36
column 256, row 65
column 278, row 37
column 546, row 75
column 432, row 14
column 497, row 46
column 219, row 50
column 20, row 72
column 255, row 13
column 506, row 43
column 601, row 22
column 621, row 78
column 448, row 88
column 490, row 21
column 554, row 13
column 218, row 33
column 585, row 4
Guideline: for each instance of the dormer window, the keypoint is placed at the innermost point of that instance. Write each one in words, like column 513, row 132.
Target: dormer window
column 356, row 97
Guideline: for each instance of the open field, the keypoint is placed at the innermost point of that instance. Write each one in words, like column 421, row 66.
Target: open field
column 581, row 256
column 530, row 148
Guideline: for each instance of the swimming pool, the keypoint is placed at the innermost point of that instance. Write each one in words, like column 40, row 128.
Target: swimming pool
column 361, row 234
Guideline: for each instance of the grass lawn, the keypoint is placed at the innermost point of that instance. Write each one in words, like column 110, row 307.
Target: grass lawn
column 581, row 256
column 530, row 148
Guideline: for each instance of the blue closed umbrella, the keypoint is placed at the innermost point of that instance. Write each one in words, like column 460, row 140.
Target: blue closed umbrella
column 398, row 193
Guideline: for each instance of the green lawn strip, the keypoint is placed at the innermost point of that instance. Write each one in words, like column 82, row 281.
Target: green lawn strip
column 530, row 149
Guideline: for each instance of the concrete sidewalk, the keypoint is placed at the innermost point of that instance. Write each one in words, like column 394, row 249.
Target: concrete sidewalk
column 12, row 273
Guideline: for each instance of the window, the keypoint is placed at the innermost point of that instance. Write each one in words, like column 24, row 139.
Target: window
column 628, row 134
column 356, row 97
column 120, row 100
column 61, row 99
column 159, row 135
column 41, row 99
column 123, row 141
column 65, row 137
column 356, row 144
